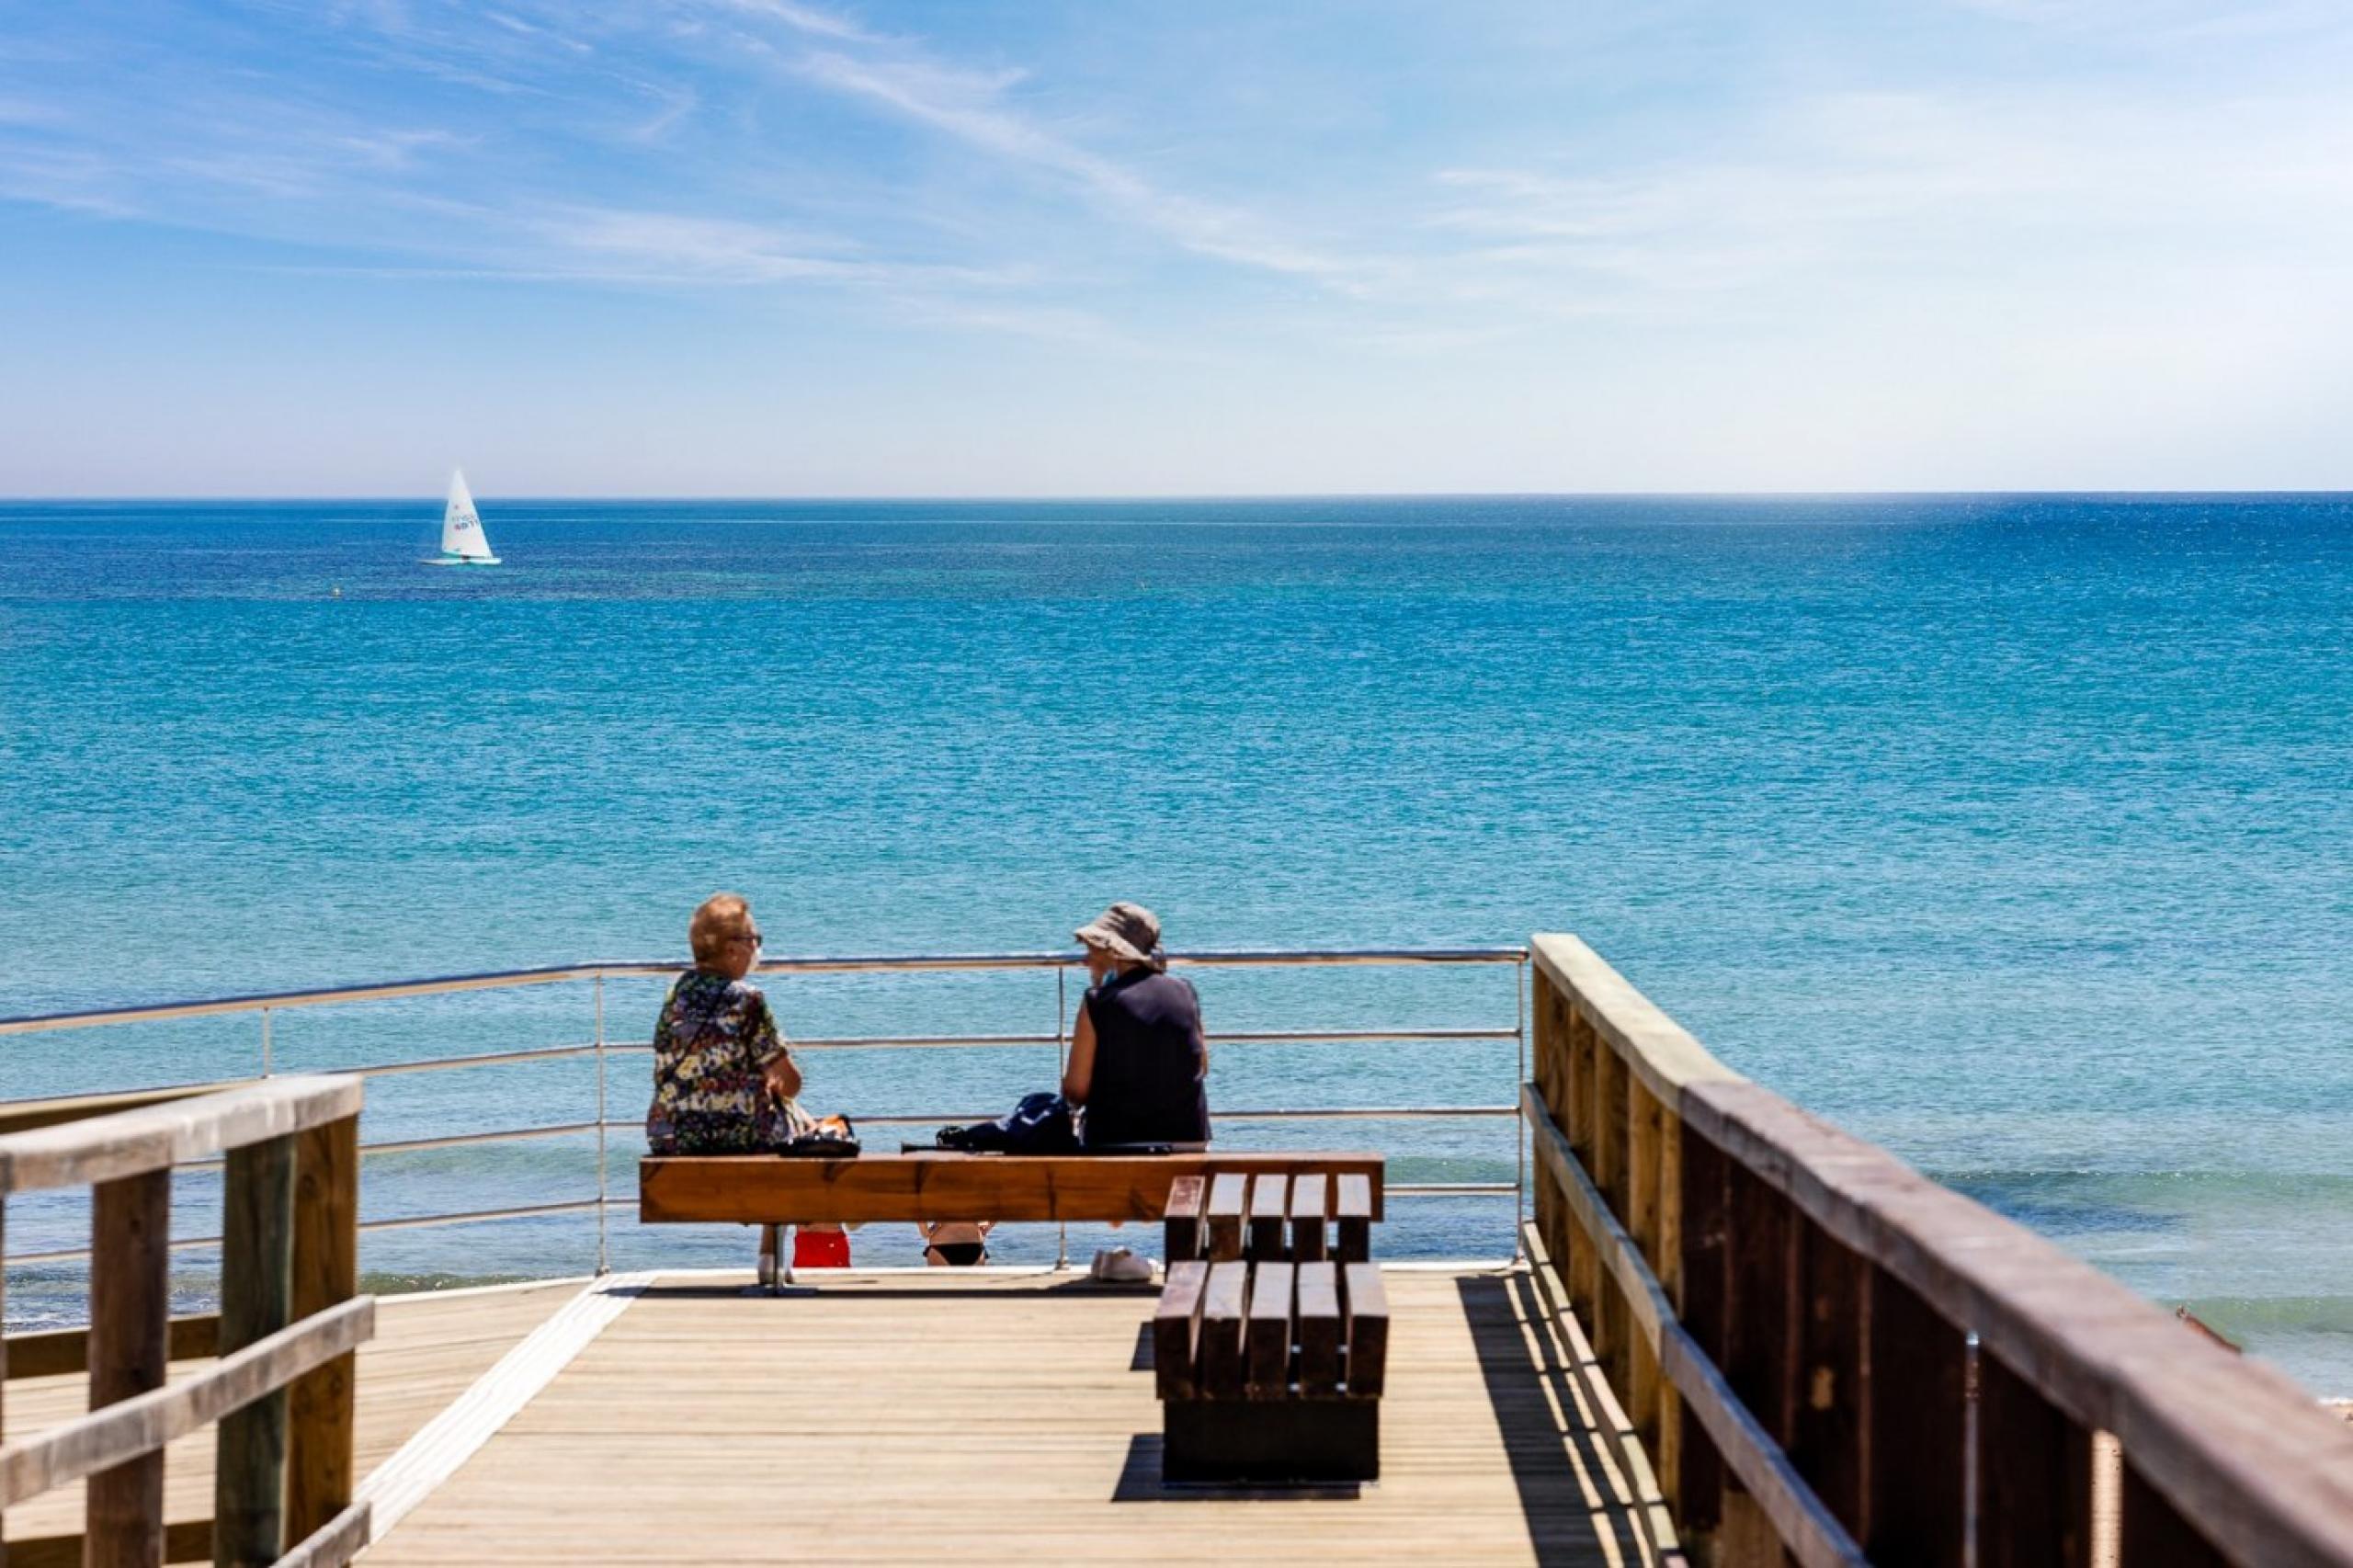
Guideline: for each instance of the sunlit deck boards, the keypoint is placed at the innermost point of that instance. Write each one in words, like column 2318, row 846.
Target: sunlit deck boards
column 428, row 1349
column 932, row 1417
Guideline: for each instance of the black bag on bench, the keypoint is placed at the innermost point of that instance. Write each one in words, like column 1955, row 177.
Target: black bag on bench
column 1040, row 1124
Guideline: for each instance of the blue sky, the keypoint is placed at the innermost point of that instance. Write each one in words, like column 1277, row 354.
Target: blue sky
column 762, row 247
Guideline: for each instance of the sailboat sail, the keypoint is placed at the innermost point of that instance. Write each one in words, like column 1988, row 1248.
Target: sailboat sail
column 462, row 534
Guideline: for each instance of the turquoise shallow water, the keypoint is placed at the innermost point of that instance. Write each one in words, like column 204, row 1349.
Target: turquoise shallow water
column 2013, row 832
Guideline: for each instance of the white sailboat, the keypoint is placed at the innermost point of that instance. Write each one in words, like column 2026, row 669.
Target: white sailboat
column 462, row 542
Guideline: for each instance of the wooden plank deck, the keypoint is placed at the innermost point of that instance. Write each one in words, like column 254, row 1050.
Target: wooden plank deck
column 428, row 1349
column 968, row 1417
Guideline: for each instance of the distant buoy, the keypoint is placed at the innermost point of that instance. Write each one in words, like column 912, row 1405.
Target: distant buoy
column 336, row 591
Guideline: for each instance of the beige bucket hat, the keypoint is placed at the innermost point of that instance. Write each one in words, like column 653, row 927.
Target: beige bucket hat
column 1126, row 930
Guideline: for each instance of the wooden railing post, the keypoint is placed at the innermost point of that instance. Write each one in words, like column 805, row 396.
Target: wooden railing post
column 1699, row 1302
column 2152, row 1533
column 1831, row 1436
column 325, row 1271
column 257, row 1300
column 131, row 1308
column 2034, row 1477
column 1919, row 1424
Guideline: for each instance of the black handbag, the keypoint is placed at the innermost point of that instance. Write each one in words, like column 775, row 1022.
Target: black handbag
column 834, row 1139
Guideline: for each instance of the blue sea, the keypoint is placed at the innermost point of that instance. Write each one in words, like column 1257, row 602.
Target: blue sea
column 2013, row 832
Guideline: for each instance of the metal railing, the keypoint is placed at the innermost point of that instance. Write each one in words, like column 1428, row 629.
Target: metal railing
column 264, row 1005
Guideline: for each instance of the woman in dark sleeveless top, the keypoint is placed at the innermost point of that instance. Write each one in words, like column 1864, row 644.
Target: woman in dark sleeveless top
column 1137, row 1059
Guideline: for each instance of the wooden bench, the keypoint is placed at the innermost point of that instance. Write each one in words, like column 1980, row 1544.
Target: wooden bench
column 1270, row 1345
column 774, row 1191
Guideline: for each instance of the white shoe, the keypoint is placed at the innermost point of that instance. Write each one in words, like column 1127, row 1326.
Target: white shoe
column 1120, row 1267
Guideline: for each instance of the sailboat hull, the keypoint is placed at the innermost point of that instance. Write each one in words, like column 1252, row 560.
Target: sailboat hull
column 460, row 560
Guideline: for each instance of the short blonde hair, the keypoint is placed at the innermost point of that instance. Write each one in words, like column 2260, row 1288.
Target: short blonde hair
column 722, row 918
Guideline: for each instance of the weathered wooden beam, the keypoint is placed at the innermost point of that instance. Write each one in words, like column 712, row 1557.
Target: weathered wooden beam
column 1919, row 1423
column 1267, row 1334
column 1354, row 1209
column 1224, row 1303
column 131, row 1233
column 1177, row 1329
column 320, row 1407
column 1229, row 1204
column 131, row 1142
column 1310, row 1213
column 333, row 1544
column 1831, row 1441
column 1269, row 1214
column 1320, row 1331
column 119, row 1434
column 184, row 1541
column 257, row 1300
column 2034, row 1476
column 1364, row 1306
column 61, row 1352
column 1181, row 1231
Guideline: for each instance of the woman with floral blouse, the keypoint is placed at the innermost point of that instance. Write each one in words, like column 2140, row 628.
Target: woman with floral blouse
column 724, row 1080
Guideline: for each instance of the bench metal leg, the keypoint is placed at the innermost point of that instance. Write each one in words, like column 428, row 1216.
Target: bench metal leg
column 776, row 1259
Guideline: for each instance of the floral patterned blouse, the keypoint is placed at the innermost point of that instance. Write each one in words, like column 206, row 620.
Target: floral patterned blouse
column 713, row 1040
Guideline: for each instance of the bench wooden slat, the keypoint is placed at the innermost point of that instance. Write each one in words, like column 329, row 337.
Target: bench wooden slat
column 1229, row 1193
column 1319, row 1328
column 1354, row 1212
column 942, row 1185
column 1307, row 1217
column 1366, row 1307
column 1269, row 1204
column 1268, row 1335
column 1177, row 1328
column 1221, row 1352
column 1181, row 1224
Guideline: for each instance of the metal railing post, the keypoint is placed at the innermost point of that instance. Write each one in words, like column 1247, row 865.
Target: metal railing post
column 264, row 1042
column 1061, row 1059
column 1520, row 1124
column 604, row 1250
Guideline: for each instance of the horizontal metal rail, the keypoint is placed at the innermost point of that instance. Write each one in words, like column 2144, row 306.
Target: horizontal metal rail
column 1059, row 963
column 913, row 963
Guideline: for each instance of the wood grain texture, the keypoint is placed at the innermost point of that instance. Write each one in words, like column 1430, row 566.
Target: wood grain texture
column 114, row 1435
column 1181, row 1230
column 56, row 1351
column 1270, row 1215
column 428, row 1350
column 320, row 1407
column 257, row 1300
column 1015, row 1401
column 1227, row 1209
column 176, row 1132
column 1310, row 1210
column 752, row 1190
column 1177, row 1329
column 130, row 1228
column 1320, row 1331
column 1225, row 1307
column 1268, row 1338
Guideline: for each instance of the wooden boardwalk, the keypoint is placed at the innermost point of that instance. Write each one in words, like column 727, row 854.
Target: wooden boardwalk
column 428, row 1349
column 930, row 1418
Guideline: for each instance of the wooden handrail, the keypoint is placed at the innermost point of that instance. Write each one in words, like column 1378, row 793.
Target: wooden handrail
column 290, row 1320
column 1700, row 1220
column 171, row 1132
column 128, row 1429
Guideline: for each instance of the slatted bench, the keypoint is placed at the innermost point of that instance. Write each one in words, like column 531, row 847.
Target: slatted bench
column 1270, row 1345
column 775, row 1192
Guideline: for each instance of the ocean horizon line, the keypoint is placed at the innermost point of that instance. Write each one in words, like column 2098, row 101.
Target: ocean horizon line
column 1189, row 497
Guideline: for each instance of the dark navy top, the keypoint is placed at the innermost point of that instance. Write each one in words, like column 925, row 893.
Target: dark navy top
column 1149, row 1062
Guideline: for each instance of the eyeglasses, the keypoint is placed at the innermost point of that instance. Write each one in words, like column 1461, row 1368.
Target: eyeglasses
column 751, row 936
